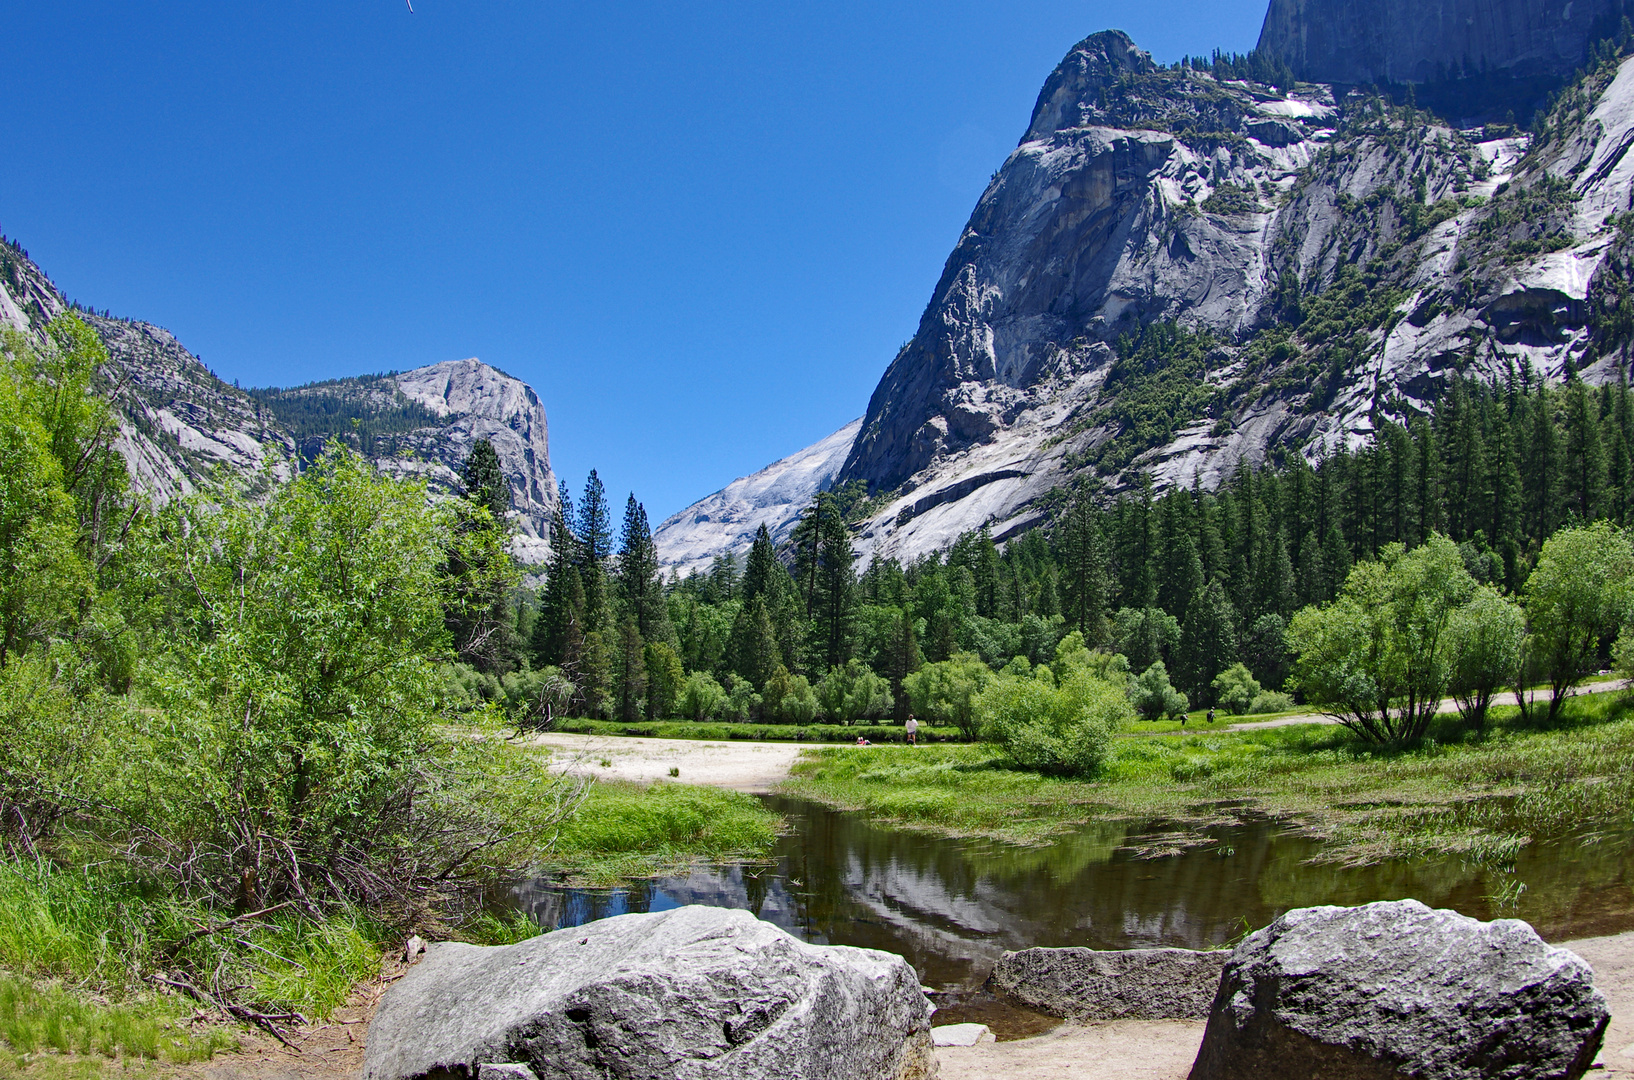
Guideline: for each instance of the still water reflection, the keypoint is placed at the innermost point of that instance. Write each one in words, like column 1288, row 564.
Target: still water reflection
column 952, row 906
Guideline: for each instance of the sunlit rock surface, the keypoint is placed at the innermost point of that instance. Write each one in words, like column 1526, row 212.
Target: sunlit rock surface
column 183, row 429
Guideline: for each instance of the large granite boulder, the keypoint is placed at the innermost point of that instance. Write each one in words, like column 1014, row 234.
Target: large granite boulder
column 1132, row 984
column 680, row 995
column 1396, row 989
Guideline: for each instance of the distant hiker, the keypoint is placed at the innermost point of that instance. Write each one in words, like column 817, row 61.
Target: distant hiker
column 913, row 731
column 1211, row 716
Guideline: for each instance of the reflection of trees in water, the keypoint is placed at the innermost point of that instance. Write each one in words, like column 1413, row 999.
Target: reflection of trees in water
column 951, row 906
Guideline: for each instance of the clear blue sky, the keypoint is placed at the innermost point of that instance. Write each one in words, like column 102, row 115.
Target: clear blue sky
column 700, row 231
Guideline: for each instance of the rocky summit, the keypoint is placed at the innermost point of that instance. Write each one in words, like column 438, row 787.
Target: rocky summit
column 181, row 426
column 1178, row 268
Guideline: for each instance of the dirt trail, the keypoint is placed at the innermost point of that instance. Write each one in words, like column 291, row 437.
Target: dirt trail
column 1602, row 686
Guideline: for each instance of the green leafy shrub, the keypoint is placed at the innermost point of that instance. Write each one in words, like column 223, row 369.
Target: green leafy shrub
column 1270, row 701
column 1236, row 689
column 1065, row 729
column 1154, row 697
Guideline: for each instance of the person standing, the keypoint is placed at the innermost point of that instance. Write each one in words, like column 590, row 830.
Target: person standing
column 913, row 731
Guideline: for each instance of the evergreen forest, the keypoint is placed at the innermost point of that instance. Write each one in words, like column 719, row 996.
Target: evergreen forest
column 1202, row 582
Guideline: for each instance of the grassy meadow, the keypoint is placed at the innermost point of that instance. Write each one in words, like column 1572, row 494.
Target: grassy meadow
column 1478, row 796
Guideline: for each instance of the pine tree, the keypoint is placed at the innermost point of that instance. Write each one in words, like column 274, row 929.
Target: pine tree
column 485, row 483
column 595, row 525
column 632, row 672
column 764, row 575
column 1585, row 456
column 902, row 659
column 1208, row 641
column 640, row 586
column 752, row 651
column 832, row 604
column 1180, row 571
column 549, row 640
column 1542, row 469
column 594, row 536
column 1081, row 553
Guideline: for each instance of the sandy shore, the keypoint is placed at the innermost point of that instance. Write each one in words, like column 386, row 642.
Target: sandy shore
column 1164, row 1050
column 741, row 766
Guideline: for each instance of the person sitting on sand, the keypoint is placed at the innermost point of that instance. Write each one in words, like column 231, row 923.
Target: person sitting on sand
column 913, row 731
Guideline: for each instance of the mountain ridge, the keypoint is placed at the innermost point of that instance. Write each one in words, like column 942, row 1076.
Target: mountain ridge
column 1174, row 271
column 181, row 426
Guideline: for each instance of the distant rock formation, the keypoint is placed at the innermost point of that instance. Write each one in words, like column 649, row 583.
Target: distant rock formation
column 180, row 425
column 1399, row 41
column 726, row 522
column 1144, row 196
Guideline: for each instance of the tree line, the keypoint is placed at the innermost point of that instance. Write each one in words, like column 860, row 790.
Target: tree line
column 1204, row 582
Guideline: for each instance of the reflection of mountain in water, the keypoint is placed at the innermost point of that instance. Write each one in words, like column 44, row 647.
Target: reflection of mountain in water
column 952, row 906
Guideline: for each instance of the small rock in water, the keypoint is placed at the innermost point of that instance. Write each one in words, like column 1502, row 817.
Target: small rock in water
column 961, row 1035
column 1395, row 989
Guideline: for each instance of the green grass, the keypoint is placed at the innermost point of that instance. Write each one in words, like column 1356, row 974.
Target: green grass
column 626, row 830
column 38, row 1018
column 104, row 930
column 1479, row 797
column 717, row 731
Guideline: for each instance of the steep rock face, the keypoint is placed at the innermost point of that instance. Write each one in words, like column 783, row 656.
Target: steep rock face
column 726, row 522
column 1371, row 41
column 423, row 423
column 180, row 425
column 1143, row 196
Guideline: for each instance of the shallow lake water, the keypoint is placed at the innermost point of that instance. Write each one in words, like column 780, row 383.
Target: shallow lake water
column 952, row 906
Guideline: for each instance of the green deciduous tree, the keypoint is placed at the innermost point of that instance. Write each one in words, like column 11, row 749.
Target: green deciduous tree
column 1154, row 697
column 665, row 680
column 852, row 692
column 946, row 692
column 1575, row 598
column 301, row 706
column 1380, row 656
column 702, row 697
column 1235, row 689
column 1487, row 634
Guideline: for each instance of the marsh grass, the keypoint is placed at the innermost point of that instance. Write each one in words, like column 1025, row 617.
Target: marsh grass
column 1481, row 797
column 629, row 830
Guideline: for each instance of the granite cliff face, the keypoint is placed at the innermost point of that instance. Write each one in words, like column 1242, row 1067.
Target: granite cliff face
column 1397, row 41
column 1173, row 272
column 180, row 425
column 728, row 520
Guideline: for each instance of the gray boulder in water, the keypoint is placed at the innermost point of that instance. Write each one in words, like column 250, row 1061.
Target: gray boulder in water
column 695, row 992
column 1094, row 984
column 1396, row 989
